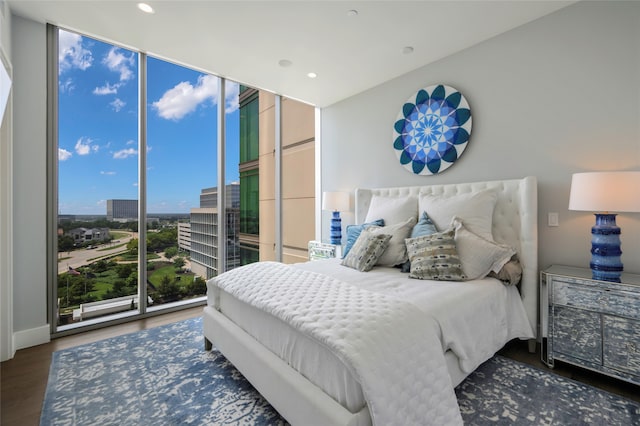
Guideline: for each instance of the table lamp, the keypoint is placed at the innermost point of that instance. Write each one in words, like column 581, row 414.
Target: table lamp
column 336, row 202
column 602, row 193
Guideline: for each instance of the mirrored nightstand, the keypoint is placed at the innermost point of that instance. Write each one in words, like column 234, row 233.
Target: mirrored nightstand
column 319, row 250
column 592, row 324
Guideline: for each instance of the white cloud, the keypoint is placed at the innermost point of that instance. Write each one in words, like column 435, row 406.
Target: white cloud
column 117, row 61
column 131, row 142
column 66, row 86
column 63, row 154
column 232, row 98
column 118, row 104
column 107, row 89
column 185, row 98
column 107, row 173
column 71, row 53
column 125, row 153
column 84, row 147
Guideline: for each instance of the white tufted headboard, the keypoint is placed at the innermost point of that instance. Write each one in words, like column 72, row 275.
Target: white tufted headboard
column 515, row 222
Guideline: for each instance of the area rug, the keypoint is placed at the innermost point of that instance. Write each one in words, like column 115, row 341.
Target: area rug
column 163, row 376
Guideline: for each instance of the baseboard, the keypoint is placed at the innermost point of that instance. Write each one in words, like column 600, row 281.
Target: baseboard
column 31, row 337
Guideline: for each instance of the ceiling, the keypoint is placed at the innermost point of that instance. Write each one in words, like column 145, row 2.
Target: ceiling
column 245, row 41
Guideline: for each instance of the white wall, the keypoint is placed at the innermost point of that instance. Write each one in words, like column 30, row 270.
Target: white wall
column 29, row 183
column 557, row 96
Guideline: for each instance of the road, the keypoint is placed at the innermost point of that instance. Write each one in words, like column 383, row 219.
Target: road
column 81, row 257
column 78, row 258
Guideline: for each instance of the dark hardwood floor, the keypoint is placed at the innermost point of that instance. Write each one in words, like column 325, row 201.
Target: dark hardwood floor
column 24, row 378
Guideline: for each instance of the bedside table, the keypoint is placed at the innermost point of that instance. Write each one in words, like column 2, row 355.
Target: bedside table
column 592, row 324
column 319, row 250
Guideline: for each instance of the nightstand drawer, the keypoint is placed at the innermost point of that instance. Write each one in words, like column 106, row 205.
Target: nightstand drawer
column 622, row 344
column 591, row 323
column 577, row 333
column 615, row 302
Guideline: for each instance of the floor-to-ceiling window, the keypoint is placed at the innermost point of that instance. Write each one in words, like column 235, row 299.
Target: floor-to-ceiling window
column 97, row 220
column 164, row 178
column 249, row 176
column 181, row 159
column 232, row 176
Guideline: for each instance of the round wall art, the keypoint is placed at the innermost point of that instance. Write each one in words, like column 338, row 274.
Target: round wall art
column 432, row 130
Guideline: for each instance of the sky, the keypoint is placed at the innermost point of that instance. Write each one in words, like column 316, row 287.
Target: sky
column 98, row 129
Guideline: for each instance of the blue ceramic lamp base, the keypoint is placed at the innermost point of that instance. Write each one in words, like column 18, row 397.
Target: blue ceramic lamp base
column 336, row 229
column 605, row 248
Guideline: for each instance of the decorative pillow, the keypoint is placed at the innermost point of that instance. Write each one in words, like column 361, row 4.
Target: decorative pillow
column 424, row 227
column 392, row 210
column 478, row 255
column 365, row 252
column 434, row 257
column 396, row 252
column 475, row 209
column 511, row 272
column 353, row 232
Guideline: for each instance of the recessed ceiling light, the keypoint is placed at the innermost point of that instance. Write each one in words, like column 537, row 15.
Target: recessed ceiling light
column 312, row 75
column 145, row 8
column 284, row 63
column 352, row 12
column 407, row 49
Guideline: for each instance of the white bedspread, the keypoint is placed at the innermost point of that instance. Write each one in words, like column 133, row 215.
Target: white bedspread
column 476, row 318
column 391, row 346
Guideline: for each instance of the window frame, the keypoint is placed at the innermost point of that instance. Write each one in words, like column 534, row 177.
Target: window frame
column 52, row 189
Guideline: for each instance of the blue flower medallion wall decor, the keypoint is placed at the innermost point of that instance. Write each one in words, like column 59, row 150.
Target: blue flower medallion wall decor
column 432, row 130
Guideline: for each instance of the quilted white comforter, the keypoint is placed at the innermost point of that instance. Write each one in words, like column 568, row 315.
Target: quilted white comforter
column 391, row 347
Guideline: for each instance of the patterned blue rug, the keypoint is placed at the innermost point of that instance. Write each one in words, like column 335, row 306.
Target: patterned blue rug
column 163, row 376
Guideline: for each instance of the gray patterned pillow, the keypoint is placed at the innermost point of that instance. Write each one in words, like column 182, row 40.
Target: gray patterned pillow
column 434, row 257
column 365, row 252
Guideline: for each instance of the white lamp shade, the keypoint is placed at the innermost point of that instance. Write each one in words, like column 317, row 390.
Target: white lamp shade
column 605, row 192
column 335, row 201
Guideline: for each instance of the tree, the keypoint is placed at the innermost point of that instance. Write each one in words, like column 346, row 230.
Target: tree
column 65, row 243
column 170, row 252
column 124, row 270
column 132, row 246
column 99, row 266
column 178, row 263
column 120, row 288
column 168, row 290
column 198, row 287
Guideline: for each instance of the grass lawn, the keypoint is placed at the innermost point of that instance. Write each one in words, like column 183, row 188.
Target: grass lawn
column 101, row 287
column 128, row 256
column 116, row 235
column 110, row 247
column 163, row 269
column 104, row 281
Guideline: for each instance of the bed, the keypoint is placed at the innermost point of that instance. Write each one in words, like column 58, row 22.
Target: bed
column 308, row 381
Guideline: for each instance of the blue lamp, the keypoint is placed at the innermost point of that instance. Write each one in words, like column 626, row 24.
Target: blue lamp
column 602, row 193
column 336, row 202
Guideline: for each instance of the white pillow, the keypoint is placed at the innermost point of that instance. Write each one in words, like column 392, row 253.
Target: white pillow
column 475, row 209
column 392, row 209
column 396, row 252
column 478, row 255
